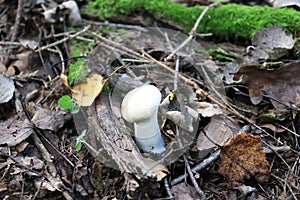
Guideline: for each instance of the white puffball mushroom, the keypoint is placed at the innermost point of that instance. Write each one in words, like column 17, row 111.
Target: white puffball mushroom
column 140, row 106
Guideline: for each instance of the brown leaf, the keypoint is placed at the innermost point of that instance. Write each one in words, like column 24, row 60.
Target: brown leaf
column 160, row 171
column 15, row 132
column 85, row 93
column 243, row 157
column 218, row 131
column 274, row 40
column 184, row 191
column 50, row 120
column 282, row 84
column 64, row 80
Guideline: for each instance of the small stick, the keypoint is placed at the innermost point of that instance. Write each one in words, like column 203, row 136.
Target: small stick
column 115, row 44
column 197, row 187
column 114, row 25
column 84, row 30
column 54, row 35
column 198, row 167
column 10, row 43
column 19, row 164
column 167, row 186
column 176, row 73
column 192, row 32
column 16, row 28
column 61, row 58
column 281, row 149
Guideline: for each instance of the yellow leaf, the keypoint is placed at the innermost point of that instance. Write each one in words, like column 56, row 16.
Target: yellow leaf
column 85, row 93
column 64, row 80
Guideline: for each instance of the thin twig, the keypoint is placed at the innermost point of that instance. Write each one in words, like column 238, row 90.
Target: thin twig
column 198, row 167
column 124, row 52
column 281, row 149
column 192, row 32
column 286, row 184
column 115, row 44
column 17, row 21
column 51, row 35
column 114, row 25
column 191, row 175
column 167, row 186
column 16, row 28
column 62, row 59
column 84, row 30
column 176, row 73
column 10, row 43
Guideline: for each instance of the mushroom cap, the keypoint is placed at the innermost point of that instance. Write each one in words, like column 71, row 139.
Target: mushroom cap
column 140, row 104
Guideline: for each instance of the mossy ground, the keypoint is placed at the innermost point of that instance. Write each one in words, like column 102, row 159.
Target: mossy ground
column 225, row 21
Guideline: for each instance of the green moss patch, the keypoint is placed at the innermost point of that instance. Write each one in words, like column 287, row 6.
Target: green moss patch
column 225, row 21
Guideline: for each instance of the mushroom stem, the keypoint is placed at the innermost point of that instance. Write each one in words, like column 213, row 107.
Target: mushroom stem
column 148, row 136
column 140, row 106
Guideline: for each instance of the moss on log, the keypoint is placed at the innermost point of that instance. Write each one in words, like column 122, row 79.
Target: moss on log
column 225, row 21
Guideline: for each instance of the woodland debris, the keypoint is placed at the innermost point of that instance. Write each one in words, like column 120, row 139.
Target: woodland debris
column 281, row 85
column 243, row 157
column 7, row 89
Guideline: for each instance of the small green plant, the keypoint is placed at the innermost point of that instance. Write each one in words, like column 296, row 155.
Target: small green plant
column 80, row 140
column 77, row 71
column 66, row 102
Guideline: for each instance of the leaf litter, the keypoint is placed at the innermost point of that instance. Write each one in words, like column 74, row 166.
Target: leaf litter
column 243, row 157
column 281, row 86
column 247, row 158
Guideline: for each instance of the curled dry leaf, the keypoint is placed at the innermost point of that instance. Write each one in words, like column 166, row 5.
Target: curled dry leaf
column 285, row 3
column 184, row 191
column 50, row 120
column 243, row 157
column 160, row 171
column 281, row 85
column 7, row 88
column 31, row 36
column 44, row 185
column 31, row 162
column 13, row 132
column 207, row 109
column 218, row 131
column 85, row 93
column 274, row 41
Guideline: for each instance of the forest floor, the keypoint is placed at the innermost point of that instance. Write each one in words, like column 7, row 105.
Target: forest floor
column 240, row 142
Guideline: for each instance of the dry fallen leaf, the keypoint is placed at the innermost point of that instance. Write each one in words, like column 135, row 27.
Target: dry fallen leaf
column 85, row 93
column 285, row 3
column 282, row 84
column 274, row 40
column 243, row 157
column 13, row 132
column 158, row 171
column 218, row 131
column 184, row 191
column 7, row 88
column 50, row 120
column 64, row 80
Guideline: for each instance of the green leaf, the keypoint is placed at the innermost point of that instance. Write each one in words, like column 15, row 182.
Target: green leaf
column 77, row 71
column 80, row 140
column 65, row 102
